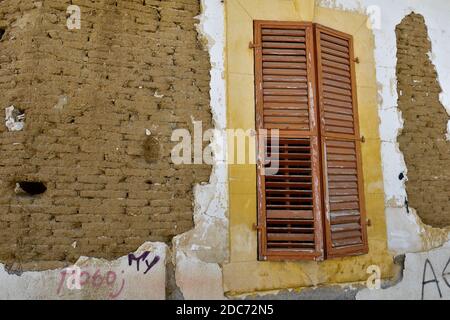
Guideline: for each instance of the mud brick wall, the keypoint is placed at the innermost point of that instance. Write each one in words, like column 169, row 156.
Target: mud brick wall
column 89, row 95
column 422, row 141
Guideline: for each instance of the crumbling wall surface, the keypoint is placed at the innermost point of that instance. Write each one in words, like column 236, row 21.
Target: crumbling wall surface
column 100, row 105
column 423, row 137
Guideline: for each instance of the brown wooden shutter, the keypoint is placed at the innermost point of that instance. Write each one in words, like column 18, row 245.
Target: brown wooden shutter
column 289, row 202
column 345, row 225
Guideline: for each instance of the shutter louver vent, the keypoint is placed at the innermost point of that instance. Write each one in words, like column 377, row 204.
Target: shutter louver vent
column 285, row 79
column 289, row 198
column 345, row 224
column 289, row 201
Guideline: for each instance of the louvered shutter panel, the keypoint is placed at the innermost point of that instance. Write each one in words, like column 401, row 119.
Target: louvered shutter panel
column 345, row 225
column 289, row 202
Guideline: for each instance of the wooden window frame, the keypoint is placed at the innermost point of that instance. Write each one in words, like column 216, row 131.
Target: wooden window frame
column 316, row 134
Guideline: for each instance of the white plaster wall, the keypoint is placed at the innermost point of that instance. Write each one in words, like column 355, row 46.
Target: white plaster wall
column 406, row 233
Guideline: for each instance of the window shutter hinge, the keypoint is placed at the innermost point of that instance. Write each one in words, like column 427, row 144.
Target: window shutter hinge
column 363, row 139
column 251, row 45
column 369, row 222
column 257, row 227
column 356, row 60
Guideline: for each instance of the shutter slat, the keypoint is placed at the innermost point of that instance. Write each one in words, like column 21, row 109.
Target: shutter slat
column 278, row 58
column 354, row 235
column 335, row 77
column 286, row 112
column 292, row 229
column 336, row 65
column 335, row 53
column 338, row 116
column 284, row 52
column 283, row 38
column 289, row 214
column 285, row 92
column 290, row 236
column 286, row 120
column 341, row 177
column 333, row 73
column 345, row 229
column 284, row 72
column 336, row 84
column 283, row 45
column 334, row 58
column 283, row 32
column 286, row 106
column 343, row 191
column 338, row 91
column 284, row 85
column 334, row 47
column 345, row 220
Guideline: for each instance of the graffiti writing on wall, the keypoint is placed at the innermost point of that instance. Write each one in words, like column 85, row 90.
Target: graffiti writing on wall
column 430, row 280
column 76, row 279
column 143, row 257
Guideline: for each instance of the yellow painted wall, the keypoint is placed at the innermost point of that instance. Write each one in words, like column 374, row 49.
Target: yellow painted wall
column 243, row 273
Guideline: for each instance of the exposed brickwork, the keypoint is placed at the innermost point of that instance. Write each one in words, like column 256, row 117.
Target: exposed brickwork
column 88, row 96
column 426, row 152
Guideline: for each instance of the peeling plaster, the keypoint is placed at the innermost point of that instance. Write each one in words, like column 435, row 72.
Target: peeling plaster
column 407, row 233
column 198, row 253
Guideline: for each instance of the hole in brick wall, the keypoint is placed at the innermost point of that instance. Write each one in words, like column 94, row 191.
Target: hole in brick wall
column 2, row 33
column 30, row 188
column 151, row 150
